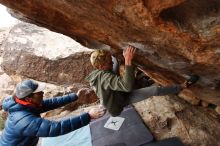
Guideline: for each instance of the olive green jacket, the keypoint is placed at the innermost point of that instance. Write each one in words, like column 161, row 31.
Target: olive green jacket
column 112, row 88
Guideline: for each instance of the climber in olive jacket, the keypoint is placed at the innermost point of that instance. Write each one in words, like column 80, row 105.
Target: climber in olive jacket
column 24, row 124
column 112, row 89
column 115, row 91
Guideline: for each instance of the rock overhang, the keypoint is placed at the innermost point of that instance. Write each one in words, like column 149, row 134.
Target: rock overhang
column 174, row 38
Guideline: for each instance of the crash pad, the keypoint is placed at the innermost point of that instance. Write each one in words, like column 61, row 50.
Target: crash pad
column 132, row 132
column 79, row 137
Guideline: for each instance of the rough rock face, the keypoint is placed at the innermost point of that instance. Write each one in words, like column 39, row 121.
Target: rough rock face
column 6, row 82
column 37, row 53
column 169, row 116
column 175, row 37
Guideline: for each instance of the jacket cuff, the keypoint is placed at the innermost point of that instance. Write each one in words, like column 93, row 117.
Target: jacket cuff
column 85, row 118
column 178, row 88
column 73, row 96
column 129, row 67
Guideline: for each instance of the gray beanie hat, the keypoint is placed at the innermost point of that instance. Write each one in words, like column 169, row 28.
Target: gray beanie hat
column 26, row 87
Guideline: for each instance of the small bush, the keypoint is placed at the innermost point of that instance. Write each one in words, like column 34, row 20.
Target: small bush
column 2, row 122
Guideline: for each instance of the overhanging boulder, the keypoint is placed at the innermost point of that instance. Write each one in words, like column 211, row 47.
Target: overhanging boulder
column 175, row 38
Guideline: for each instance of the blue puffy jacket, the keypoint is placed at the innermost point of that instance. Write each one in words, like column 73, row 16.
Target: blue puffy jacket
column 24, row 124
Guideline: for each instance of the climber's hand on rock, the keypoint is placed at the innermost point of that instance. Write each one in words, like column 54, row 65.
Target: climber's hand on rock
column 128, row 54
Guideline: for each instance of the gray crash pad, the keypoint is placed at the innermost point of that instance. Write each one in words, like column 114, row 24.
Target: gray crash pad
column 133, row 132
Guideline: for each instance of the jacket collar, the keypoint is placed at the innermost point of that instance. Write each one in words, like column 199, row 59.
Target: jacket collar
column 26, row 103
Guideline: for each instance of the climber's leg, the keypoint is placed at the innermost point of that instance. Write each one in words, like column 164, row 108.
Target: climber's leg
column 144, row 93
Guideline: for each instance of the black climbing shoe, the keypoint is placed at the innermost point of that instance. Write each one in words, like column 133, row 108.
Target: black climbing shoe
column 192, row 80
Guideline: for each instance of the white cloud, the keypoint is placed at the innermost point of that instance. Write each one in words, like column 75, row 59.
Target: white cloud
column 6, row 20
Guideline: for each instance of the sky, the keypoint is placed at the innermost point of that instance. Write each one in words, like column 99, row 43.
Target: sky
column 6, row 20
